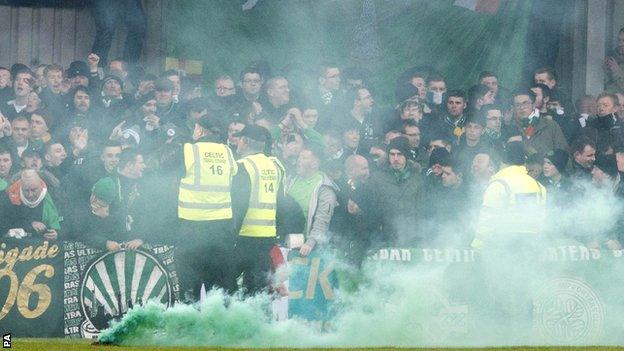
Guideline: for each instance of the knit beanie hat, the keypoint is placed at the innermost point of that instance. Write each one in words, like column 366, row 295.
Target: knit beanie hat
column 399, row 143
column 104, row 190
column 559, row 159
column 113, row 77
column 439, row 156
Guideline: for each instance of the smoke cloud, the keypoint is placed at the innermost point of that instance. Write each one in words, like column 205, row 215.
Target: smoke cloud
column 551, row 292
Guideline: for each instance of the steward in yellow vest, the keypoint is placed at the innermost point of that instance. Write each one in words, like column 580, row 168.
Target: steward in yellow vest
column 256, row 191
column 514, row 205
column 205, row 242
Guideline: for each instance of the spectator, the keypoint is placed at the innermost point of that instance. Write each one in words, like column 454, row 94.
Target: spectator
column 602, row 127
column 23, row 84
column 484, row 166
column 41, row 122
column 353, row 228
column 351, row 138
column 452, row 229
column 548, row 77
column 277, row 98
column 450, row 125
column 316, row 195
column 167, row 109
column 501, row 95
column 570, row 126
column 360, row 106
column 394, row 196
column 408, row 110
column 106, row 227
column 556, row 180
column 417, row 153
column 21, row 129
column 5, row 85
column 79, row 181
column 251, row 84
column 52, row 96
column 55, row 159
column 540, row 135
column 118, row 67
column 310, row 116
column 436, row 91
column 224, row 86
column 29, row 209
column 327, row 95
column 6, row 164
column 586, row 106
column 471, row 143
column 175, row 78
column 493, row 132
column 542, row 97
column 478, row 96
column 78, row 74
column 583, row 155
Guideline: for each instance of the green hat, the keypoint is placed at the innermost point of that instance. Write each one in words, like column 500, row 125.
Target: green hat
column 105, row 190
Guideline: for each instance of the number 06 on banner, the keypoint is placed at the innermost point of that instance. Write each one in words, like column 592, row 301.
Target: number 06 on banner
column 21, row 292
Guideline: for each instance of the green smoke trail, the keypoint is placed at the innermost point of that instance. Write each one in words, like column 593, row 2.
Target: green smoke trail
column 363, row 319
column 222, row 320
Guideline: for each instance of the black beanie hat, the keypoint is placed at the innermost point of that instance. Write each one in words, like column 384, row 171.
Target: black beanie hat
column 439, row 156
column 113, row 77
column 559, row 158
column 399, row 143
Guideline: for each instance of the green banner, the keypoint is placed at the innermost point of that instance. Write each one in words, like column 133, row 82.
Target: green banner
column 55, row 289
column 567, row 294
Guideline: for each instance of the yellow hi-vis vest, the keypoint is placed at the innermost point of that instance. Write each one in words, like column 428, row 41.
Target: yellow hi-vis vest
column 266, row 175
column 205, row 189
column 514, row 204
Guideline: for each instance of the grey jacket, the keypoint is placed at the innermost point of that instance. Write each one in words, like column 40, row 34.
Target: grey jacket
column 320, row 211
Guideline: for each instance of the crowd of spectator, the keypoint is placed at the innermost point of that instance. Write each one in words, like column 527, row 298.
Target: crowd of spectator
column 411, row 175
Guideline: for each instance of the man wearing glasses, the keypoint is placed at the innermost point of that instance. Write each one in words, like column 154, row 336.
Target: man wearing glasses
column 539, row 134
column 326, row 95
column 251, row 84
column 224, row 86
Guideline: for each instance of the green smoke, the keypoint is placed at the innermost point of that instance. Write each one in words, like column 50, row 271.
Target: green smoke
column 554, row 292
column 384, row 311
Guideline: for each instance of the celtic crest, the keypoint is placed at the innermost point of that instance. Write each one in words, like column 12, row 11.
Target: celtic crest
column 568, row 310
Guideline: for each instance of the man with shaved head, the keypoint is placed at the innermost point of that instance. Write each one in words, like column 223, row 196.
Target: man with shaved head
column 277, row 100
column 28, row 209
column 348, row 220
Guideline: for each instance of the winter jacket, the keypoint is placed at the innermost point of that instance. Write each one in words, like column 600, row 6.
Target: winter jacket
column 320, row 211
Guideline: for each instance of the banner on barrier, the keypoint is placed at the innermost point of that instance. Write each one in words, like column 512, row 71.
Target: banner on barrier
column 55, row 289
column 69, row 289
column 31, row 287
column 101, row 286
